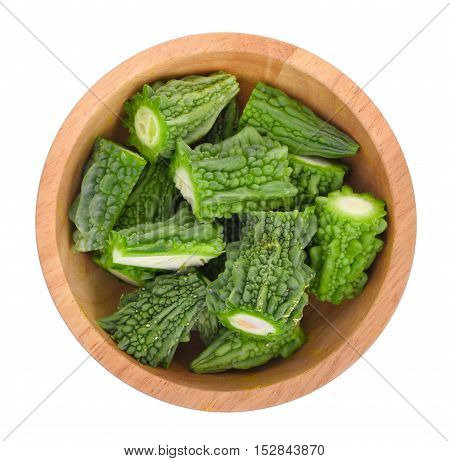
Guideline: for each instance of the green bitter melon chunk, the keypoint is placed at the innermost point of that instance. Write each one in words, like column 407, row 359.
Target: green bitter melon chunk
column 232, row 350
column 153, row 199
column 314, row 176
column 262, row 290
column 109, row 178
column 345, row 244
column 226, row 124
column 179, row 242
column 273, row 113
column 243, row 173
column 151, row 322
column 185, row 108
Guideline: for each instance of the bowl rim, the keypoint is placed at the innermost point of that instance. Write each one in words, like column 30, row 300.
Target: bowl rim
column 352, row 348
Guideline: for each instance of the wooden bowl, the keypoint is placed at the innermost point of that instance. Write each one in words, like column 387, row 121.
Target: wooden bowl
column 83, row 292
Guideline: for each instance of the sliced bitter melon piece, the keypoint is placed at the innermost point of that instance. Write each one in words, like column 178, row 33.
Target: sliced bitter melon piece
column 184, row 108
column 232, row 350
column 110, row 176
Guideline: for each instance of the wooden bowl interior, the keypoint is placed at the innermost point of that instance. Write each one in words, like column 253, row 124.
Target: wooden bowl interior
column 97, row 292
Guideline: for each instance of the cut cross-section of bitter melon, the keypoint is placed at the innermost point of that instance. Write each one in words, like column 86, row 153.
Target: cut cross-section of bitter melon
column 179, row 242
column 147, row 124
column 250, row 322
column 137, row 276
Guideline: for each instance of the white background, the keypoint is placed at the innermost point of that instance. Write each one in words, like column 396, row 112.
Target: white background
column 94, row 415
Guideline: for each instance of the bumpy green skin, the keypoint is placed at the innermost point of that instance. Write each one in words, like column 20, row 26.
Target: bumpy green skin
column 232, row 350
column 273, row 113
column 156, row 85
column 265, row 274
column 344, row 247
column 207, row 326
column 226, row 124
column 243, row 173
column 109, row 179
column 151, row 323
column 179, row 235
column 186, row 108
column 137, row 276
column 153, row 199
column 311, row 180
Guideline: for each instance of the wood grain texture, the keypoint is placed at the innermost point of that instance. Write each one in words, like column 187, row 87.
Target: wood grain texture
column 83, row 292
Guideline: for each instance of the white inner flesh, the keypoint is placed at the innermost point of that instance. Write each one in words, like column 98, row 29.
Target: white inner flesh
column 123, row 277
column 354, row 206
column 169, row 262
column 315, row 161
column 184, row 184
column 146, row 126
column 250, row 324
